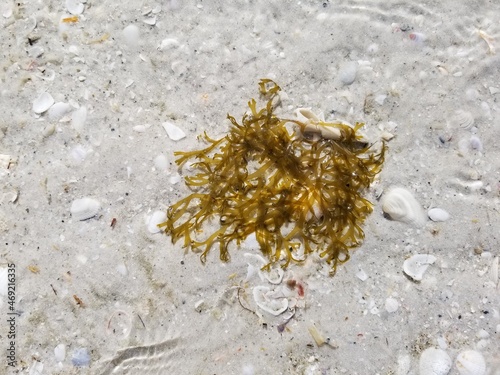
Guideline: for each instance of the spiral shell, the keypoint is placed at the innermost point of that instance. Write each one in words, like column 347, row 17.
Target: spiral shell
column 400, row 205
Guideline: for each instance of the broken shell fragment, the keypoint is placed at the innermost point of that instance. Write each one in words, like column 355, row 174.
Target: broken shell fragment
column 434, row 362
column 174, row 132
column 43, row 102
column 266, row 299
column 471, row 362
column 416, row 265
column 84, row 208
column 400, row 205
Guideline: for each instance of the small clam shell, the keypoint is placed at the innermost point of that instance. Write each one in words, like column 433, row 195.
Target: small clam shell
column 434, row 362
column 400, row 205
column 264, row 298
column 471, row 362
column 416, row 265
column 43, row 102
column 462, row 119
column 84, row 208
column 438, row 214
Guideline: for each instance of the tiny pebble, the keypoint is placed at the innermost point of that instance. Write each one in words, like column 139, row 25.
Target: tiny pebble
column 58, row 110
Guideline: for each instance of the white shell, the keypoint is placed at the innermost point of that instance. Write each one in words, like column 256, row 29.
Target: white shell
column 74, row 7
column 84, row 208
column 60, row 352
column 58, row 110
column 43, row 102
column 156, row 218
column 434, row 362
column 463, row 119
column 391, row 305
column 471, row 362
column 78, row 119
column 271, row 304
column 347, row 72
column 400, row 205
column 438, row 214
column 131, row 34
column 174, row 132
column 416, row 265
column 417, row 37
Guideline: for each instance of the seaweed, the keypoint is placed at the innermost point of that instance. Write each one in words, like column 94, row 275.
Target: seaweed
column 297, row 185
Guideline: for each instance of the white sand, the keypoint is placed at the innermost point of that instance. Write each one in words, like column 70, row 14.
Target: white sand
column 148, row 308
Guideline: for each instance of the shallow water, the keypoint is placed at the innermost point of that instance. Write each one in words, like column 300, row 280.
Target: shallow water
column 427, row 74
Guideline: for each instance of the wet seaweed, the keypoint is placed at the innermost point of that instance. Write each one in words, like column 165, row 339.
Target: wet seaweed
column 297, row 190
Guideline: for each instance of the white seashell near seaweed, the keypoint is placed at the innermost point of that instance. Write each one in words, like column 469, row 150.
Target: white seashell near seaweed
column 470, row 362
column 438, row 214
column 156, row 218
column 43, row 102
column 400, row 205
column 174, row 132
column 84, row 208
column 434, row 362
column 416, row 265
column 264, row 298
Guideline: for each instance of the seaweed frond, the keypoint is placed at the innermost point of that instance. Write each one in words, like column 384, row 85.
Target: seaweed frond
column 296, row 193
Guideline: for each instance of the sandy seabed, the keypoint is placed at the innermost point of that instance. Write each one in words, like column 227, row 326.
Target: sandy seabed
column 107, row 296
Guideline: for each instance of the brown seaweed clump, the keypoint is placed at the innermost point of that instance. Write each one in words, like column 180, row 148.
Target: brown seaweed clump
column 298, row 190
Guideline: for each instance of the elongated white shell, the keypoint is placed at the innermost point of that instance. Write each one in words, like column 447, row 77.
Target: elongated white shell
column 84, row 208
column 264, row 298
column 471, row 362
column 438, row 214
column 434, row 362
column 416, row 265
column 400, row 205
